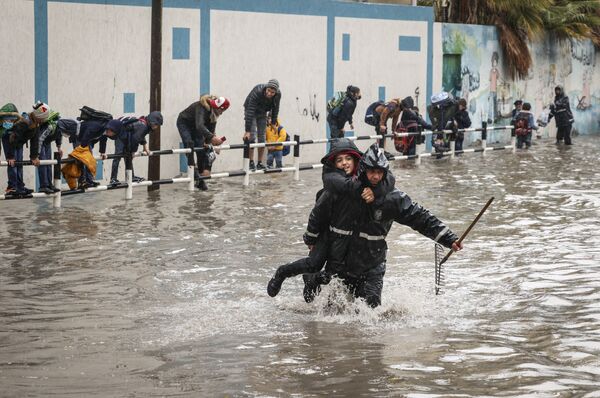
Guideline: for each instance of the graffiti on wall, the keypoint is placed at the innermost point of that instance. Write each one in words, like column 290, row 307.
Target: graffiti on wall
column 310, row 110
column 473, row 70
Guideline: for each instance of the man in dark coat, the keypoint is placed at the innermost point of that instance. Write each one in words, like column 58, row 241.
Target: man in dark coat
column 365, row 261
column 262, row 99
column 561, row 111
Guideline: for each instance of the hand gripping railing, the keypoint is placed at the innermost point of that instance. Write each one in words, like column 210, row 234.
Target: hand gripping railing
column 129, row 185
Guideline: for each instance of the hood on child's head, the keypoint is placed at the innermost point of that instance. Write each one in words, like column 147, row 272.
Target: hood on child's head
column 339, row 146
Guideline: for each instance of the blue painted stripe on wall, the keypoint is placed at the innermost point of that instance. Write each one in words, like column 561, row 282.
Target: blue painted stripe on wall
column 204, row 48
column 181, row 43
column 346, row 47
column 128, row 102
column 429, row 63
column 300, row 7
column 330, row 64
column 409, row 43
column 99, row 170
column 182, row 160
column 40, row 17
column 381, row 93
column 142, row 3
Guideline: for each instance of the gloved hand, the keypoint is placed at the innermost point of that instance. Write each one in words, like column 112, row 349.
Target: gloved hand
column 309, row 240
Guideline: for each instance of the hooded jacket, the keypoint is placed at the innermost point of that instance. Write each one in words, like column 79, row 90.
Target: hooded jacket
column 561, row 109
column 49, row 132
column 24, row 130
column 338, row 206
column 200, row 118
column 358, row 230
column 275, row 133
column 257, row 104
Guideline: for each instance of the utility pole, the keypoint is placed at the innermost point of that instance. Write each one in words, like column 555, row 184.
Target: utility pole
column 155, row 87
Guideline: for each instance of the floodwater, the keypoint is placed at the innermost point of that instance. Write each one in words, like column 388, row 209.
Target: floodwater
column 165, row 295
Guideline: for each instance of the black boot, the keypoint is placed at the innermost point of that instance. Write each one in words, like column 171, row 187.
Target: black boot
column 287, row 271
column 311, row 287
column 274, row 285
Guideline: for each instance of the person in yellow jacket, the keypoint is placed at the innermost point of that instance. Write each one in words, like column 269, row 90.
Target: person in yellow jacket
column 275, row 133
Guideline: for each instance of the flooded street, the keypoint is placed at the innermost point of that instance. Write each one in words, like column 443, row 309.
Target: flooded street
column 165, row 295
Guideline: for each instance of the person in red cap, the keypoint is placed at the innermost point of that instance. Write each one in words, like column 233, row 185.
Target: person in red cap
column 197, row 125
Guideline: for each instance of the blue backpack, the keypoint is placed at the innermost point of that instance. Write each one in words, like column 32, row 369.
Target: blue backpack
column 286, row 149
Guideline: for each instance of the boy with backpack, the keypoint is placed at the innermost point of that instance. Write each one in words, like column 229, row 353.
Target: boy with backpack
column 133, row 134
column 524, row 123
column 410, row 122
column 378, row 114
column 340, row 109
column 275, row 133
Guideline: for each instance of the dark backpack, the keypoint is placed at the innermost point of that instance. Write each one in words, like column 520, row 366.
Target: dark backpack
column 88, row 113
column 286, row 149
column 522, row 127
column 371, row 117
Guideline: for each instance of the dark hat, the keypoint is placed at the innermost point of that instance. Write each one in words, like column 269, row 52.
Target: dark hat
column 518, row 102
column 274, row 84
column 115, row 125
column 155, row 117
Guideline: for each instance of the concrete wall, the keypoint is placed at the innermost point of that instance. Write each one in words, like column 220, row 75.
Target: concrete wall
column 97, row 52
column 572, row 64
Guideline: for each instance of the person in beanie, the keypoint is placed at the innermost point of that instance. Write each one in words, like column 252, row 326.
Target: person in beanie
column 9, row 116
column 134, row 134
column 262, row 98
column 561, row 111
column 364, row 265
column 342, row 114
column 24, row 130
column 197, row 125
column 48, row 132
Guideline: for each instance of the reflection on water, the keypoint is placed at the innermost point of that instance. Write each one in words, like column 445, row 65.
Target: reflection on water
column 165, row 295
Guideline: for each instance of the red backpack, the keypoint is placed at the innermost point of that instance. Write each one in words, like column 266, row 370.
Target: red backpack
column 522, row 125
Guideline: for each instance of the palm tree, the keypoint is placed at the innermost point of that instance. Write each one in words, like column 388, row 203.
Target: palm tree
column 519, row 22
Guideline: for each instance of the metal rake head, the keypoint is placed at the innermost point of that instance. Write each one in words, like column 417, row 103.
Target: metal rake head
column 439, row 271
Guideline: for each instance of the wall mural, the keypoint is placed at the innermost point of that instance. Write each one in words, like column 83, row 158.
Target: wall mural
column 473, row 70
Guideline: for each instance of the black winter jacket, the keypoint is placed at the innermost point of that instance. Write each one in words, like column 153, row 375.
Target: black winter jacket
column 257, row 104
column 343, row 114
column 197, row 118
column 561, row 110
column 368, row 247
column 21, row 133
column 338, row 213
column 91, row 132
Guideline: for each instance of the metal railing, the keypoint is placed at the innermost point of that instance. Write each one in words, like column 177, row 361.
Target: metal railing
column 296, row 143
